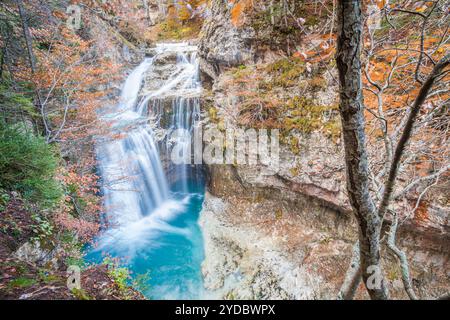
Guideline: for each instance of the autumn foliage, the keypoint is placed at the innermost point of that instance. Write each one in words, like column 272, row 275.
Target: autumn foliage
column 69, row 82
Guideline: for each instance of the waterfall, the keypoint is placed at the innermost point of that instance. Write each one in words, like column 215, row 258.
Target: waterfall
column 133, row 83
column 131, row 167
column 134, row 181
column 151, row 208
column 186, row 114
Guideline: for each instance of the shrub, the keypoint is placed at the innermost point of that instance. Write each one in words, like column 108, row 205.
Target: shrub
column 15, row 106
column 4, row 199
column 28, row 165
column 120, row 275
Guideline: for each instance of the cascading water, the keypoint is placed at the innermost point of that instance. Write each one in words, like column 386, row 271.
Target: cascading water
column 186, row 114
column 152, row 209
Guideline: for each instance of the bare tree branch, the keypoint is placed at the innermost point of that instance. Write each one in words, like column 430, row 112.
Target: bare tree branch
column 421, row 97
column 352, row 276
column 402, row 258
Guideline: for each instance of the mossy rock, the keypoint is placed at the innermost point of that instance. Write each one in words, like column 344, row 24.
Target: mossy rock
column 286, row 72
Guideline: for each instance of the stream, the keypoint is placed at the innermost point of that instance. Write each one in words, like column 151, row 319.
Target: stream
column 151, row 208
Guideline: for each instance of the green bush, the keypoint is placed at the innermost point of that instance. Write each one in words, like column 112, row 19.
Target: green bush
column 28, row 165
column 4, row 199
column 120, row 275
column 15, row 105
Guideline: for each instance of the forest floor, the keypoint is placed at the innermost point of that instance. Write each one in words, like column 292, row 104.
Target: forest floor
column 22, row 279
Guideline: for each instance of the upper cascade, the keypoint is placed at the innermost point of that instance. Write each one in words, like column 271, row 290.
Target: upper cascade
column 174, row 73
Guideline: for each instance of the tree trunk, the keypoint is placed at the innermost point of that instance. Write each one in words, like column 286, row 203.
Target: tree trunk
column 27, row 35
column 147, row 12
column 2, row 61
column 32, row 58
column 351, row 108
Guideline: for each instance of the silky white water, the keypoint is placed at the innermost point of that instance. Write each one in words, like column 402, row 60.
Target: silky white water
column 152, row 225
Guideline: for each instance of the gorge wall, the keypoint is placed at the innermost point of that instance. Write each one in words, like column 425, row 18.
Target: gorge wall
column 288, row 234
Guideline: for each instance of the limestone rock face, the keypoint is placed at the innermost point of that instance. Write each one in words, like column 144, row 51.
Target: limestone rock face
column 225, row 44
column 222, row 44
column 165, row 58
column 315, row 168
column 244, row 262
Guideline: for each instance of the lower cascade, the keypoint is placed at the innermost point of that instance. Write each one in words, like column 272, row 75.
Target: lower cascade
column 152, row 205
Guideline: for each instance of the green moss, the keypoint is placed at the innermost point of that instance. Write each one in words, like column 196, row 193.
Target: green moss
column 80, row 294
column 294, row 145
column 306, row 116
column 286, row 71
column 333, row 129
column 48, row 278
column 20, row 267
column 22, row 282
column 258, row 198
column 318, row 83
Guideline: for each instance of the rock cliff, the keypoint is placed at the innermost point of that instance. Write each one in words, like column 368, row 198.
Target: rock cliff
column 288, row 233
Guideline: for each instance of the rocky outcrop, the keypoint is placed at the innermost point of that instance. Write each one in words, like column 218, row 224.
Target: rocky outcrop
column 226, row 42
column 256, row 249
column 222, row 45
column 31, row 252
column 258, row 239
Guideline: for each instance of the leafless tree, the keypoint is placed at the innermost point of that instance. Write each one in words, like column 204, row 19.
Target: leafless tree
column 360, row 177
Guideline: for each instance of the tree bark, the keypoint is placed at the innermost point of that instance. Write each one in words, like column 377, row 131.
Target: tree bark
column 27, row 35
column 32, row 58
column 147, row 12
column 2, row 61
column 351, row 108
